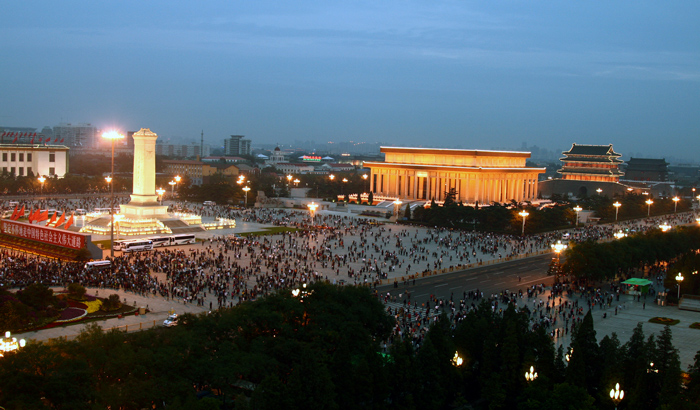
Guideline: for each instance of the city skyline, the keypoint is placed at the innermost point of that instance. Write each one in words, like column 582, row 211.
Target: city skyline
column 448, row 74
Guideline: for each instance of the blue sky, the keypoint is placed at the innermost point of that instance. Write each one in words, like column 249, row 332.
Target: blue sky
column 470, row 74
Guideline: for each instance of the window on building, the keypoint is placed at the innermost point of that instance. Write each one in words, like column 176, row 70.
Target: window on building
column 52, row 157
column 12, row 170
column 29, row 171
column 4, row 157
column 29, row 157
column 52, row 171
column 4, row 169
column 21, row 157
column 13, row 157
column 21, row 171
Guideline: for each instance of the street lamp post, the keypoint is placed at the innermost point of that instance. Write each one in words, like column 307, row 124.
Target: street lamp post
column 617, row 394
column 365, row 176
column 524, row 214
column 648, row 202
column 41, row 179
column 112, row 136
column 342, row 188
column 531, row 375
column 675, row 203
column 172, row 189
column 558, row 247
column 679, row 279
column 577, row 209
column 397, row 204
column 599, row 191
column 246, row 189
column 312, row 208
column 160, row 192
column 617, row 208
column 664, row 227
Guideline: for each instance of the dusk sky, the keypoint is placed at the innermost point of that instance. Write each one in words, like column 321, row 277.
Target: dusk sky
column 467, row 74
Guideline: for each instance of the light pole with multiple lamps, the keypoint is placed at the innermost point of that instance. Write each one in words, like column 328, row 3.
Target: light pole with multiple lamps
column 531, row 375
column 599, row 191
column 617, row 206
column 365, row 176
column 172, row 190
column 10, row 344
column 577, row 209
column 246, row 189
column 160, row 192
column 397, row 204
column 617, row 394
column 312, row 209
column 524, row 214
column 112, row 136
column 679, row 279
column 675, row 203
column 558, row 247
column 648, row 202
column 41, row 179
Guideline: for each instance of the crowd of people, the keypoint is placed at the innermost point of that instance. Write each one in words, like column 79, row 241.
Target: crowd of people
column 224, row 270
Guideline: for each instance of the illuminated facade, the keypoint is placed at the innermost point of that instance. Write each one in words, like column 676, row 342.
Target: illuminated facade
column 475, row 175
column 591, row 163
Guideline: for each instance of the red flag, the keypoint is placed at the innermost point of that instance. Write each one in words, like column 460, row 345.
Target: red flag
column 61, row 220
column 56, row 140
column 3, row 133
column 36, row 215
column 53, row 219
column 41, row 139
column 34, row 134
column 14, row 140
column 62, row 139
column 30, row 217
column 43, row 216
column 20, row 213
column 70, row 222
column 32, row 141
column 14, row 214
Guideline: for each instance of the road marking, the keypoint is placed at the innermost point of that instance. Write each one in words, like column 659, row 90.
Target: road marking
column 472, row 278
column 444, row 284
column 499, row 283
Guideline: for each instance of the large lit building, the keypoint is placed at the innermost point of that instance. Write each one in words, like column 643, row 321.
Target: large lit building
column 591, row 163
column 475, row 175
column 33, row 160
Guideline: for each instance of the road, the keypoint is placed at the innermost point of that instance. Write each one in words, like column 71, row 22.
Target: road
column 511, row 275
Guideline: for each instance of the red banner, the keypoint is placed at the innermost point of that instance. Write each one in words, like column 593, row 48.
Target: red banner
column 51, row 236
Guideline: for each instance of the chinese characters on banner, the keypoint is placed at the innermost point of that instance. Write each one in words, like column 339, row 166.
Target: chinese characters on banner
column 42, row 234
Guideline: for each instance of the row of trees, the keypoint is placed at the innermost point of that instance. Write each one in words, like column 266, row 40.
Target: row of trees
column 323, row 350
column 593, row 261
column 502, row 218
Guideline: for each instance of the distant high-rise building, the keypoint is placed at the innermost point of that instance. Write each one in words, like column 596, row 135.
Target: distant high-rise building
column 77, row 135
column 237, row 145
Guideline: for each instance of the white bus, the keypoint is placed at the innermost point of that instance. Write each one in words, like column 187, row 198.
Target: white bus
column 172, row 240
column 98, row 264
column 133, row 245
column 183, row 239
column 80, row 212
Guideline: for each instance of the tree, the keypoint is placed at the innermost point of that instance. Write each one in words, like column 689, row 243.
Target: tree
column 76, row 291
column 407, row 213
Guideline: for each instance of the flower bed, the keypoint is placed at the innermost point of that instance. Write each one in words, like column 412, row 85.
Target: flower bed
column 664, row 321
column 72, row 314
column 695, row 325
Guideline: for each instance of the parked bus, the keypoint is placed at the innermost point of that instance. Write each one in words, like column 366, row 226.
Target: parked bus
column 98, row 264
column 183, row 239
column 134, row 245
column 172, row 240
column 80, row 212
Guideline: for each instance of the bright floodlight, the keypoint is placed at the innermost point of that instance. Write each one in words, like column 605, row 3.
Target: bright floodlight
column 113, row 135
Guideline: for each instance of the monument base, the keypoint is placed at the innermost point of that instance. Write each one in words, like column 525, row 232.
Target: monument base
column 143, row 211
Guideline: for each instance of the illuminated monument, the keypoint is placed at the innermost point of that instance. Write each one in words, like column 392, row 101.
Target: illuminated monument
column 144, row 200
column 143, row 214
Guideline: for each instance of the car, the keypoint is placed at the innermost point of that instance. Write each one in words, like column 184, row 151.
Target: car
column 170, row 321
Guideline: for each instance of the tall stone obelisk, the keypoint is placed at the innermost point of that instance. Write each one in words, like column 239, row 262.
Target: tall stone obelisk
column 144, row 200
